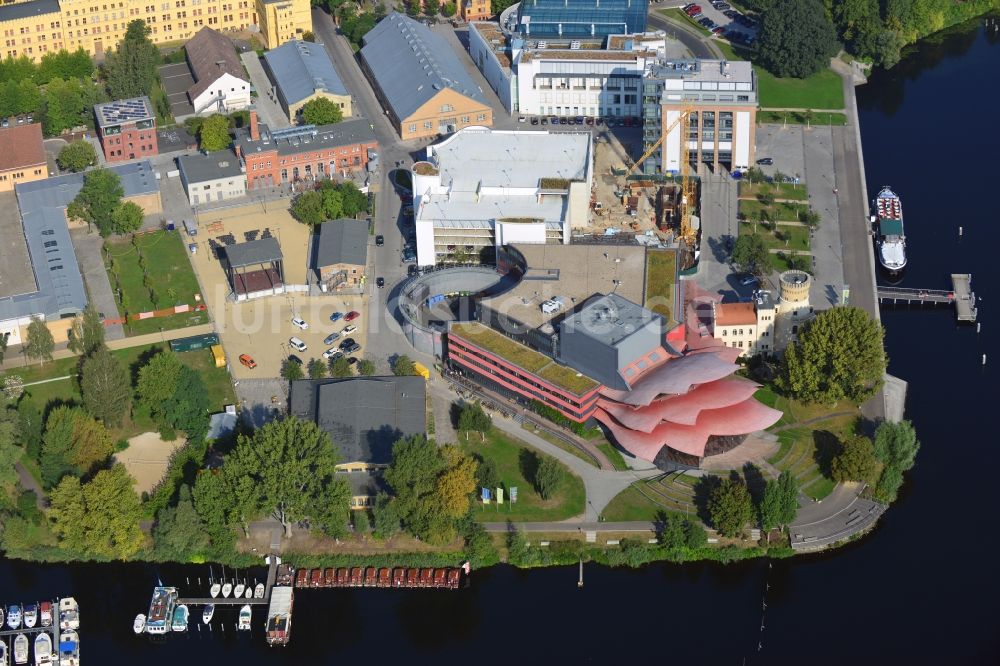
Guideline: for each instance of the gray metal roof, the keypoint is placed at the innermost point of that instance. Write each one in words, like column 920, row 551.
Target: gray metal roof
column 363, row 415
column 342, row 242
column 20, row 10
column 306, row 138
column 260, row 251
column 200, row 168
column 57, row 274
column 300, row 69
column 412, row 64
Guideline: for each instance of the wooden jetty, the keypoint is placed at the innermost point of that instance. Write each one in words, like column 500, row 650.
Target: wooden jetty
column 272, row 574
column 960, row 296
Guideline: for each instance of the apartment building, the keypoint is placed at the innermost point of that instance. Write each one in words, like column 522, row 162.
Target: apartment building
column 126, row 129
column 36, row 27
column 720, row 100
column 474, row 10
column 22, row 156
column 221, row 85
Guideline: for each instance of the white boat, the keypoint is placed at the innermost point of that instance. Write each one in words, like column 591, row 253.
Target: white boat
column 14, row 616
column 214, row 590
column 891, row 236
column 161, row 610
column 43, row 649
column 245, row 616
column 249, row 593
column 69, row 649
column 227, row 589
column 238, row 590
column 258, row 591
column 30, row 615
column 206, row 615
column 21, row 649
column 139, row 624
column 1, row 617
column 180, row 622
column 4, row 658
column 45, row 613
column 69, row 614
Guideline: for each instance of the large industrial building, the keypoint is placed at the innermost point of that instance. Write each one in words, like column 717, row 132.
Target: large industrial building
column 419, row 80
column 563, row 77
column 301, row 72
column 36, row 27
column 581, row 18
column 719, row 99
column 481, row 188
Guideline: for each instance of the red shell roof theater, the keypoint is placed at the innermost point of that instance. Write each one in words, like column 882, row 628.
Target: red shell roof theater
column 613, row 361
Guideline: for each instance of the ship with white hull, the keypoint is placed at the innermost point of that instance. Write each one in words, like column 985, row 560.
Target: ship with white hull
column 891, row 239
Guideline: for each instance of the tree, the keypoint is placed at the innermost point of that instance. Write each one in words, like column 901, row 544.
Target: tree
column 487, row 475
column 896, row 447
column 448, row 9
column 402, row 366
column 321, row 111
column 316, row 369
column 359, row 518
column 213, row 134
column 432, row 7
column 215, row 506
column 796, row 38
column 158, row 380
column 291, row 466
column 810, row 218
column 457, row 483
column 113, row 511
column 856, row 461
column 97, row 200
column 548, row 476
column 68, row 513
column 751, row 255
column 387, row 516
column 770, row 506
column 180, row 532
column 308, row 208
column 4, row 341
column 730, row 507
column 77, row 156
column 29, row 97
column 473, row 418
column 838, row 355
column 106, row 387
column 780, row 502
column 130, row 70
column 87, row 334
column 339, row 367
column 366, row 368
column 694, row 535
column 353, row 200
column 126, row 218
column 74, row 443
column 291, row 370
column 413, row 471
column 10, row 452
column 29, row 428
column 39, row 344
column 187, row 408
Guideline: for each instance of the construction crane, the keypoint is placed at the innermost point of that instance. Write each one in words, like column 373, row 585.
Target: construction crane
column 688, row 190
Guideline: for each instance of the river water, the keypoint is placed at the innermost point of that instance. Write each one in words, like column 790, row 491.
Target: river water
column 921, row 588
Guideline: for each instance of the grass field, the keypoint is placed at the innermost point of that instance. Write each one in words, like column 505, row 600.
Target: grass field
column 820, row 119
column 780, row 211
column 555, row 441
column 661, row 273
column 217, row 383
column 169, row 274
column 780, row 190
column 630, row 504
column 823, row 90
column 788, row 238
column 614, row 456
column 515, row 463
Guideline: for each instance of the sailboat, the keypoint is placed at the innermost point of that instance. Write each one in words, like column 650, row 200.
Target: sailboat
column 227, row 587
column 249, row 593
column 240, row 587
column 245, row 615
column 21, row 649
column 216, row 587
column 206, row 615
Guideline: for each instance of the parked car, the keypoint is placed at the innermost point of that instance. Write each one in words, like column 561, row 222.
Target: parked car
column 5, row 123
column 294, row 359
column 379, row 240
column 336, row 316
column 332, row 354
column 353, row 348
column 328, row 340
column 247, row 360
column 297, row 344
column 380, row 282
column 534, row 121
column 590, row 120
column 521, row 119
column 347, row 343
column 352, row 315
column 545, row 121
column 300, row 323
column 766, row 161
column 349, row 329
column 748, row 280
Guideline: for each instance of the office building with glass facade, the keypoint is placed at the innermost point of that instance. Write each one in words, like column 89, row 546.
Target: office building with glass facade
column 581, row 18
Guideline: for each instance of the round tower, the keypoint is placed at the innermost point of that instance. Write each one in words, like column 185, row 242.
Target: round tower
column 794, row 288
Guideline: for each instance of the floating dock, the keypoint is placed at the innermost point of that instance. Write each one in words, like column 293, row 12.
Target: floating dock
column 7, row 635
column 960, row 296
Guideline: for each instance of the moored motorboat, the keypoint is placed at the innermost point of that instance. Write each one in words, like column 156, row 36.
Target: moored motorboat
column 245, row 617
column 43, row 649
column 258, row 591
column 69, row 649
column 30, row 615
column 4, row 658
column 21, row 649
column 180, row 622
column 1, row 618
column 161, row 610
column 14, row 616
column 139, row 624
column 207, row 613
column 45, row 613
column 69, row 614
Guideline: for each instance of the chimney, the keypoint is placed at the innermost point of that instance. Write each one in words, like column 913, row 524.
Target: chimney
column 254, row 132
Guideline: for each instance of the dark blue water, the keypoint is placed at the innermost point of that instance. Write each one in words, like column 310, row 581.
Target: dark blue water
column 921, row 589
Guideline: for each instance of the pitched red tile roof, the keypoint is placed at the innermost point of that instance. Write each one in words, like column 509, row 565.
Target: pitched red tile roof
column 21, row 147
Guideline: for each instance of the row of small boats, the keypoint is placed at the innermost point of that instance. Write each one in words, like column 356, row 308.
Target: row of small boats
column 29, row 615
column 239, row 591
column 179, row 621
column 68, row 653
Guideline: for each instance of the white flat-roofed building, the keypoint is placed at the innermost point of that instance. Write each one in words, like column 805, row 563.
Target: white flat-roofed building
column 566, row 77
column 721, row 97
column 482, row 188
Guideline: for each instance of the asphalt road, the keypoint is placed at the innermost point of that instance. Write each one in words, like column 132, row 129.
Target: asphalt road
column 683, row 34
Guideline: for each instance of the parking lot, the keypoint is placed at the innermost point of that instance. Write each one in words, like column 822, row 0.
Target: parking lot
column 736, row 26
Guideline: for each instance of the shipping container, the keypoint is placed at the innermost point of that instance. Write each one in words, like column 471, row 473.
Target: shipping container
column 194, row 342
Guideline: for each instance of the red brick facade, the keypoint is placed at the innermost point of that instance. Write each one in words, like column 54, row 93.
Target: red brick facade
column 130, row 144
column 266, row 168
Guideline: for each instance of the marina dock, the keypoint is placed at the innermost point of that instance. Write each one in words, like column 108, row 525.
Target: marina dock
column 7, row 635
column 960, row 296
column 272, row 574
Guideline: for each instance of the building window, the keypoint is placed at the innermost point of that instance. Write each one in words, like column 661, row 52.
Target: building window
column 481, row 117
column 413, row 128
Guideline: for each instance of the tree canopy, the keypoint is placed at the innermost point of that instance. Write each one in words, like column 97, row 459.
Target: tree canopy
column 549, row 475
column 74, row 443
column 796, row 39
column 856, row 461
column 180, row 532
column 730, row 507
column 213, row 134
column 321, row 111
column 126, row 218
column 174, row 393
column 39, row 343
column 473, row 418
column 780, row 502
column 751, row 256
column 838, row 355
column 896, row 447
column 130, row 69
column 99, row 518
column 106, row 387
column 87, row 334
column 402, row 366
column 98, row 199
column 329, row 201
column 77, row 156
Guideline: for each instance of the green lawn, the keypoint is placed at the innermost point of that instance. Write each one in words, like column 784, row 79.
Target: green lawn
column 783, row 261
column 614, row 456
column 169, row 274
column 796, row 118
column 661, row 274
column 823, row 90
column 630, row 504
column 217, row 383
column 782, row 238
column 555, row 441
column 782, row 211
column 511, row 457
column 780, row 190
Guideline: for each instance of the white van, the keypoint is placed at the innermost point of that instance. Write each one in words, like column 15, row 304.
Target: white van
column 297, row 344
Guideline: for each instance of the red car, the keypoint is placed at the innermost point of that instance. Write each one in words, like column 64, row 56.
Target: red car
column 352, row 315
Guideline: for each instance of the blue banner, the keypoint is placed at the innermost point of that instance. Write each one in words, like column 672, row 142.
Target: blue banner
column 486, row 495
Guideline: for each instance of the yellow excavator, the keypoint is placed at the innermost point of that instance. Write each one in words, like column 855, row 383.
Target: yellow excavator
column 688, row 189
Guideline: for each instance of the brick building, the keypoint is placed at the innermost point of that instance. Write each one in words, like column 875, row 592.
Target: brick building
column 127, row 129
column 303, row 153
